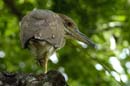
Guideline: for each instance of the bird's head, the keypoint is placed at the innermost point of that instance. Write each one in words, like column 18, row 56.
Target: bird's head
column 72, row 31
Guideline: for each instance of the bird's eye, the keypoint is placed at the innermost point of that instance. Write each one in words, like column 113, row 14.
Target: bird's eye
column 69, row 24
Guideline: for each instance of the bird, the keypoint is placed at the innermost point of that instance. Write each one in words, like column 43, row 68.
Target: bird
column 44, row 32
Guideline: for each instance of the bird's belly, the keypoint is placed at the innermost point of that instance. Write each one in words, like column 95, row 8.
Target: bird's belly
column 41, row 49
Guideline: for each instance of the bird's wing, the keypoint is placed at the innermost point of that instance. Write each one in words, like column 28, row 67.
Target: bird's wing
column 42, row 25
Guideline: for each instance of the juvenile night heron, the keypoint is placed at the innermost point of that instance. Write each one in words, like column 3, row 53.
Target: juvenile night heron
column 43, row 32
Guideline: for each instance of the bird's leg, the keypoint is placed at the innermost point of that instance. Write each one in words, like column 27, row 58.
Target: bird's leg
column 45, row 64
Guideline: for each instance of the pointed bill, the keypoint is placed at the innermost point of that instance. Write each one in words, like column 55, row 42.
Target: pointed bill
column 81, row 37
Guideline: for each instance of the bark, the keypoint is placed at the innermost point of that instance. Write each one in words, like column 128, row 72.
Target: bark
column 51, row 78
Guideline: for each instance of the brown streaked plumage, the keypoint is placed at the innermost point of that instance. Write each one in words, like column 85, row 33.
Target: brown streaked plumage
column 43, row 32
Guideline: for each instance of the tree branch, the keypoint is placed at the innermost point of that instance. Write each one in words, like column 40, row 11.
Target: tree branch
column 52, row 78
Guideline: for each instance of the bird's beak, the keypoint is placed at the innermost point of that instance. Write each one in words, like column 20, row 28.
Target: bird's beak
column 76, row 34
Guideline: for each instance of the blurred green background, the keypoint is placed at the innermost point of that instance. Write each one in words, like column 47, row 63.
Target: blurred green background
column 106, row 22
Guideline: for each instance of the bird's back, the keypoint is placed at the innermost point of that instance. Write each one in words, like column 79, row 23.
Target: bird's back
column 42, row 25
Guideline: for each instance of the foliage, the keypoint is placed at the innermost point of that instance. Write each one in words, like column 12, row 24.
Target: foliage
column 106, row 22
